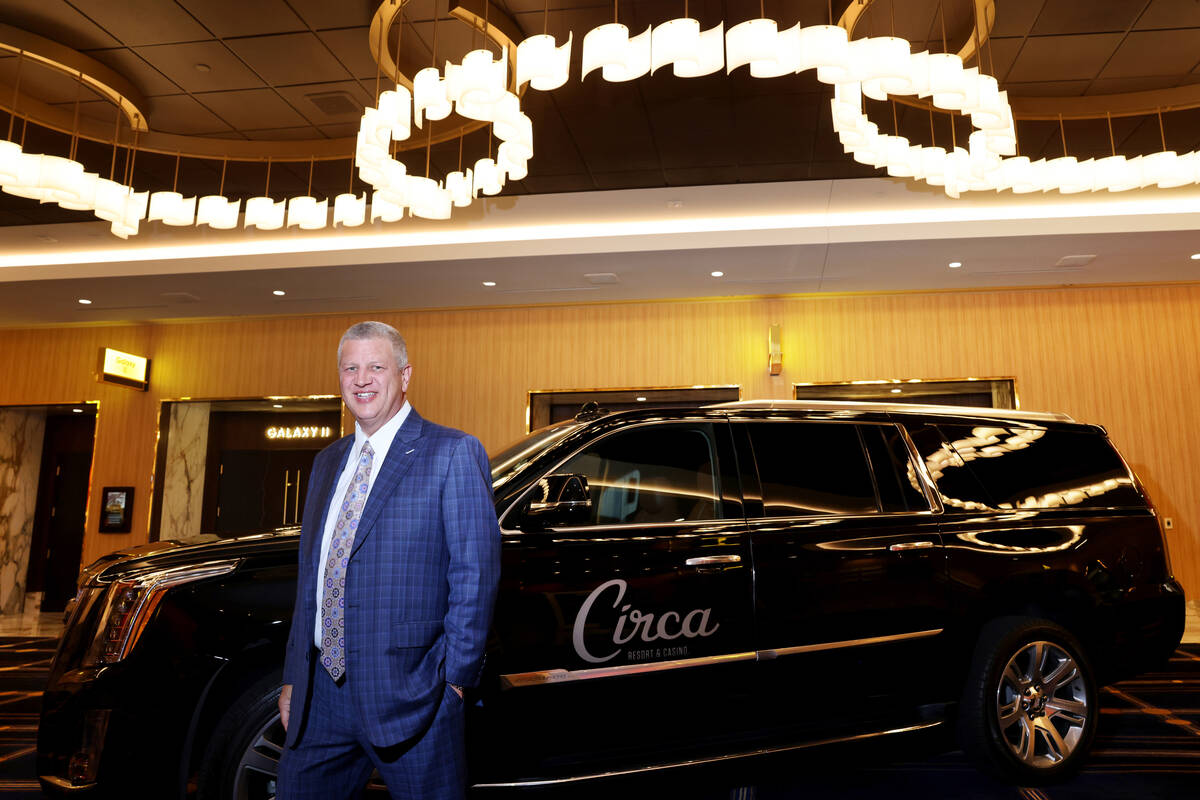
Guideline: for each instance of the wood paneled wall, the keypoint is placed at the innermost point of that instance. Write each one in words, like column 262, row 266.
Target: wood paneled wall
column 1126, row 357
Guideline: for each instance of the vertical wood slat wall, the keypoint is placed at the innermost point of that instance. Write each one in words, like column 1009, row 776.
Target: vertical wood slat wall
column 1125, row 357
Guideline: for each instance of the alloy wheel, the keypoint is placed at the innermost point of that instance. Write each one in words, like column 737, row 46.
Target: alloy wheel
column 1042, row 704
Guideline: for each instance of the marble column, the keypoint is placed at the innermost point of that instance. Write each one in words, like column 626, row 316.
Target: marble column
column 21, row 434
column 183, row 479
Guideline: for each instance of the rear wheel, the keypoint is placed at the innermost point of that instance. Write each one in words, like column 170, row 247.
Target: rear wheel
column 242, row 758
column 1029, row 708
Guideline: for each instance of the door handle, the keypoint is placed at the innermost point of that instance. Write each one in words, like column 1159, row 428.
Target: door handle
column 702, row 561
column 903, row 546
column 296, row 506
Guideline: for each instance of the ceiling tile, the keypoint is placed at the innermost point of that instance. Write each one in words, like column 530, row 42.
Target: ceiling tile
column 1016, row 17
column 695, row 131
column 252, row 109
column 999, row 56
column 289, row 59
column 340, row 101
column 1155, row 53
column 282, row 134
column 139, row 22
column 182, row 114
column 349, row 46
column 227, row 18
column 771, row 132
column 129, row 65
column 700, row 176
column 629, row 179
column 340, row 131
column 1064, row 57
column 318, row 14
column 178, row 62
column 553, row 184
column 1121, row 85
column 1048, row 88
column 1095, row 16
column 1170, row 14
column 57, row 20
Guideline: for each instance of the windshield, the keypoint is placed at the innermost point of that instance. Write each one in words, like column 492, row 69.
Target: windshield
column 511, row 459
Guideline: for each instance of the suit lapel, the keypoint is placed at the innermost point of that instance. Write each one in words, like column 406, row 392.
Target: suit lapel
column 400, row 457
column 327, row 485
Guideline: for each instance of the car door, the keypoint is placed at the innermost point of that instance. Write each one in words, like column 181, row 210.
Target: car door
column 849, row 570
column 624, row 636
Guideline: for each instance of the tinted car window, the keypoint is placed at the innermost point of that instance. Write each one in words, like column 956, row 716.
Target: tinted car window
column 988, row 466
column 811, row 468
column 651, row 473
column 895, row 476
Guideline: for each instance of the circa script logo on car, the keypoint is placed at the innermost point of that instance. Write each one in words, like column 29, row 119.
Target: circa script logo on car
column 634, row 624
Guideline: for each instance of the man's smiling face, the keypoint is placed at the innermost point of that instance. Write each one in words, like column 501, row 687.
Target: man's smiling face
column 373, row 385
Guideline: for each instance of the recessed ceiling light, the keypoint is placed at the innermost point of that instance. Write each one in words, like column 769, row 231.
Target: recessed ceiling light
column 276, row 405
column 489, row 284
column 1195, row 256
column 279, row 292
column 716, row 273
column 641, row 399
column 83, row 301
column 77, row 410
column 203, row 68
column 674, row 204
column 895, row 391
column 954, row 264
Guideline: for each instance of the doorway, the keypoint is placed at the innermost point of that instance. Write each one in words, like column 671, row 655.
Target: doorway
column 60, row 513
column 234, row 467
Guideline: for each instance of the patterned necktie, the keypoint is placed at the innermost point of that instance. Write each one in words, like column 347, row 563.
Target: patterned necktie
column 333, row 607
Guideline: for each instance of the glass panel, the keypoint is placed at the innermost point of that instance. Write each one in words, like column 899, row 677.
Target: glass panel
column 653, row 473
column 1032, row 468
column 811, row 468
column 895, row 476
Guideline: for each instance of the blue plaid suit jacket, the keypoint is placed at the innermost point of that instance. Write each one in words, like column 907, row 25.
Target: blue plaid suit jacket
column 420, row 585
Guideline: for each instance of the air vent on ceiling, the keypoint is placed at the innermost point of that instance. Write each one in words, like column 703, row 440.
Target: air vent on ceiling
column 335, row 104
column 1074, row 261
column 601, row 277
column 180, row 297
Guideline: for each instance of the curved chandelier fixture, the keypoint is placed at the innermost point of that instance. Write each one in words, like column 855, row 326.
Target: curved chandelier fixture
column 482, row 87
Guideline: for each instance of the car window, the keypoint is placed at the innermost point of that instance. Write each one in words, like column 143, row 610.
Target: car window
column 650, row 473
column 895, row 475
column 999, row 467
column 808, row 468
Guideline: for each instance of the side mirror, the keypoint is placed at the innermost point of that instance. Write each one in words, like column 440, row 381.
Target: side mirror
column 558, row 500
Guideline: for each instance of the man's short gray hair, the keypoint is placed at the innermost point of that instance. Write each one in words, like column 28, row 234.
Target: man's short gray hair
column 376, row 330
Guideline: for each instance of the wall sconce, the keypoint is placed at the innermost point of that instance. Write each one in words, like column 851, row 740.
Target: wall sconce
column 774, row 351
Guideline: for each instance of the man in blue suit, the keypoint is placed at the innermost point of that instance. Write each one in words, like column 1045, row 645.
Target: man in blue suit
column 399, row 563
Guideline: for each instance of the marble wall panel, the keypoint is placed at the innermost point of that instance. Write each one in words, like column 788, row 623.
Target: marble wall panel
column 21, row 434
column 183, row 479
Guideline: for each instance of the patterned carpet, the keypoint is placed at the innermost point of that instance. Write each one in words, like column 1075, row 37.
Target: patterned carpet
column 1148, row 747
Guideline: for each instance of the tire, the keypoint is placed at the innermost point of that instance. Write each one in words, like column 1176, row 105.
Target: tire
column 1029, row 706
column 241, row 761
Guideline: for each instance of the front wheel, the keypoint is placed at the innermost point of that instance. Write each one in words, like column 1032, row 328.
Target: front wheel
column 1029, row 707
column 242, row 759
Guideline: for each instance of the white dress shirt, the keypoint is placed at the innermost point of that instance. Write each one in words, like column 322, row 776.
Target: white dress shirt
column 380, row 441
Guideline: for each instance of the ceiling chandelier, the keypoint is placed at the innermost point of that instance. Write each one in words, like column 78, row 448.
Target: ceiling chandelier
column 482, row 87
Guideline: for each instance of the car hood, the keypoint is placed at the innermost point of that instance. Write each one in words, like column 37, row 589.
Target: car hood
column 171, row 553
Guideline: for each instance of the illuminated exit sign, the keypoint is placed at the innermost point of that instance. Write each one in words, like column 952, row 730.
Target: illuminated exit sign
column 124, row 368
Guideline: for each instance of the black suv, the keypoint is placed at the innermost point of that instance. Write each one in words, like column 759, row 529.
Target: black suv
column 682, row 585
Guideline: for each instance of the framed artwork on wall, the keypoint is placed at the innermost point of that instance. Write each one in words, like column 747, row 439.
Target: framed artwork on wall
column 116, row 509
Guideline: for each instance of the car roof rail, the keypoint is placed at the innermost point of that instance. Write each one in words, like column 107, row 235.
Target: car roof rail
column 893, row 408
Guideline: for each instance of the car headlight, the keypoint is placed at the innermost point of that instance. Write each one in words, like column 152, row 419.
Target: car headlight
column 129, row 603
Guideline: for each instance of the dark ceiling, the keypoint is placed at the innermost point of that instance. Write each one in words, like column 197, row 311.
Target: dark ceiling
column 301, row 69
